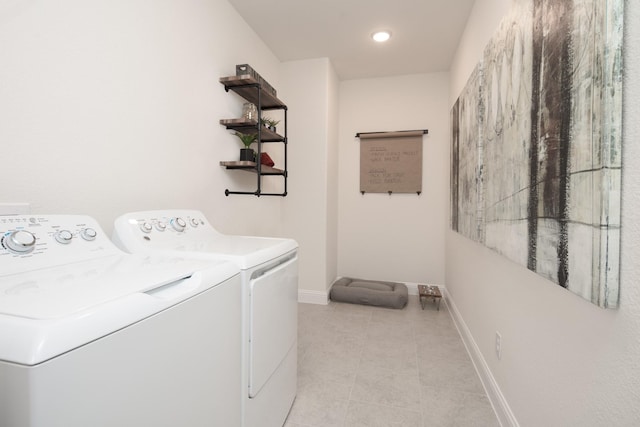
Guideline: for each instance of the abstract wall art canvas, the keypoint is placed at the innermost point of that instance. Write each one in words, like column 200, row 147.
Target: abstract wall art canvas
column 536, row 144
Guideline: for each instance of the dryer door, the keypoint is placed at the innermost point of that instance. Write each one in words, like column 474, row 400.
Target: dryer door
column 274, row 319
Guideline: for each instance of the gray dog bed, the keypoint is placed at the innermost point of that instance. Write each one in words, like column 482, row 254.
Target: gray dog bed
column 369, row 292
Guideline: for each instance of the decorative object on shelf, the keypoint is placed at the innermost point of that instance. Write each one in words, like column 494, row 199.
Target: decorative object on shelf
column 272, row 124
column 246, row 70
column 247, row 153
column 266, row 160
column 269, row 123
column 249, row 111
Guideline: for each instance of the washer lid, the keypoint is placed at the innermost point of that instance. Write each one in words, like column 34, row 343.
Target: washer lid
column 50, row 311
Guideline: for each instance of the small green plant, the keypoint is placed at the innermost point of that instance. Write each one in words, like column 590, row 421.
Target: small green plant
column 269, row 122
column 247, row 138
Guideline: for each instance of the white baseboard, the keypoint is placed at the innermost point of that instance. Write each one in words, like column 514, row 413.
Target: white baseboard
column 498, row 401
column 313, row 297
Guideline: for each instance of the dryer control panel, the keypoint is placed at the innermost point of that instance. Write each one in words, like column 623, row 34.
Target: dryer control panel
column 29, row 242
column 162, row 230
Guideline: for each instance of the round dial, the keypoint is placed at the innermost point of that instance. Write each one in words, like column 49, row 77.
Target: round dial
column 161, row 225
column 194, row 222
column 63, row 236
column 20, row 241
column 146, row 227
column 178, row 223
column 88, row 234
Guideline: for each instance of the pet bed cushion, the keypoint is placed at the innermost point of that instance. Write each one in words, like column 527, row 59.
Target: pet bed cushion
column 369, row 292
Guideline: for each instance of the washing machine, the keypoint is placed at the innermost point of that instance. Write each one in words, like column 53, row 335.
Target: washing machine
column 93, row 336
column 269, row 278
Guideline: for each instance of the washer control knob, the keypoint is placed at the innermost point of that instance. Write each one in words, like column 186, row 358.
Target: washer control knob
column 146, row 227
column 178, row 223
column 161, row 225
column 63, row 236
column 89, row 234
column 20, row 241
column 194, row 222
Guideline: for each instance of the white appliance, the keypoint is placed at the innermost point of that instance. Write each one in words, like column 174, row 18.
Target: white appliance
column 269, row 276
column 92, row 336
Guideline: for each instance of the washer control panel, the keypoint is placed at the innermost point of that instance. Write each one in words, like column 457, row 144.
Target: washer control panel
column 28, row 242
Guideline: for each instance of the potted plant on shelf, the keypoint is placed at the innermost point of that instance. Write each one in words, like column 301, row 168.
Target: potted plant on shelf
column 272, row 124
column 269, row 123
column 247, row 152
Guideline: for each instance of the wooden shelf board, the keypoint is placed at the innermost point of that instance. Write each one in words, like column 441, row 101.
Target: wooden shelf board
column 251, row 126
column 251, row 167
column 238, row 122
column 243, row 86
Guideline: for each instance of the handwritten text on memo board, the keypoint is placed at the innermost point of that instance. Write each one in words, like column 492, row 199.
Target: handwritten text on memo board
column 391, row 164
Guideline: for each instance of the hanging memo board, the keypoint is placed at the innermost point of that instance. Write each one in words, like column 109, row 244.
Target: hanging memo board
column 391, row 162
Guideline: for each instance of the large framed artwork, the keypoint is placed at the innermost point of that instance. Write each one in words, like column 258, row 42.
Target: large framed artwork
column 536, row 144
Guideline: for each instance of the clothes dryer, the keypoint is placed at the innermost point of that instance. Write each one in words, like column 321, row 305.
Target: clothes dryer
column 92, row 336
column 269, row 277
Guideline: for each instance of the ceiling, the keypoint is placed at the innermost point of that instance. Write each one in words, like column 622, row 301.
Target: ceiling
column 425, row 33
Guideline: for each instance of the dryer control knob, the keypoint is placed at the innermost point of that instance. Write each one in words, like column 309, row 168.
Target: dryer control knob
column 194, row 222
column 88, row 234
column 178, row 223
column 146, row 227
column 161, row 226
column 20, row 241
column 63, row 236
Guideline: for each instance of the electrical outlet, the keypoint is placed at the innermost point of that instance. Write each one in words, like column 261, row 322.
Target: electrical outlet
column 498, row 345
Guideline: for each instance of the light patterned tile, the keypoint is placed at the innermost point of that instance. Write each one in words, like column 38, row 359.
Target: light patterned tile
column 318, row 413
column 450, row 373
column 440, row 405
column 436, row 326
column 441, row 346
column 371, row 366
column 322, row 365
column 476, row 411
column 398, row 357
column 320, row 403
column 445, row 407
column 368, row 415
column 397, row 330
column 387, row 387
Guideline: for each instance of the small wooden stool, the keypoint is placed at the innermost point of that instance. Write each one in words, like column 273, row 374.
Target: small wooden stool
column 429, row 291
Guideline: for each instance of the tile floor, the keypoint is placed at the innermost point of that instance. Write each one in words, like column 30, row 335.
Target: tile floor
column 370, row 366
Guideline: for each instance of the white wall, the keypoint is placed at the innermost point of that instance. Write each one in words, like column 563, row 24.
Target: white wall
column 113, row 106
column 398, row 237
column 565, row 362
column 332, row 179
column 310, row 88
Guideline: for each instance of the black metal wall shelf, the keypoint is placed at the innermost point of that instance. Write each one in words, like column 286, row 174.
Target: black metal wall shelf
column 251, row 90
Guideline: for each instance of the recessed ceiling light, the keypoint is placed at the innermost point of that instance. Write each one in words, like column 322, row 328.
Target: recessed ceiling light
column 381, row 36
